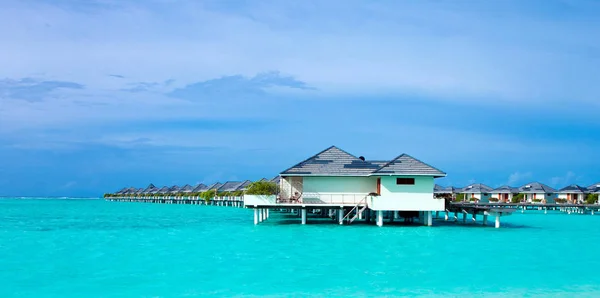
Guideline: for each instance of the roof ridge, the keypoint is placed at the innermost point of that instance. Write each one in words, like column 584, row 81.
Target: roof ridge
column 414, row 158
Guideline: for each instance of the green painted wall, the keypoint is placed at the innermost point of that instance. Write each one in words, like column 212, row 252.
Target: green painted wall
column 423, row 184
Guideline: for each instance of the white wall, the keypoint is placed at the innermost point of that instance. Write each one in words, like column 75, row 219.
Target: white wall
column 340, row 184
column 338, row 190
column 417, row 197
column 290, row 185
column 549, row 198
column 251, row 200
column 498, row 196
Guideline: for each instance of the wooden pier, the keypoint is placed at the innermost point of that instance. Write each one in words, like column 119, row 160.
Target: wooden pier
column 237, row 202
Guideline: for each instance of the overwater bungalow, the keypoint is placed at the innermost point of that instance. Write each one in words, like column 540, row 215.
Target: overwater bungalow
column 186, row 189
column 215, row 186
column 448, row 192
column 150, row 189
column 536, row 192
column 594, row 188
column 174, row 189
column 573, row 194
column 200, row 188
column 122, row 191
column 476, row 192
column 244, row 185
column 229, row 186
column 336, row 180
column 503, row 194
column 163, row 190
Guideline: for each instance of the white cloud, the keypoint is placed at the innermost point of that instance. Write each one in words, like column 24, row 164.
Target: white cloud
column 449, row 51
column 518, row 177
column 561, row 181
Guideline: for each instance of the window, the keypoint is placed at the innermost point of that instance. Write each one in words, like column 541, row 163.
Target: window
column 405, row 181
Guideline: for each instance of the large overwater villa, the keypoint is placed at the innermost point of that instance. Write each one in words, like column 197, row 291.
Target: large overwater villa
column 347, row 186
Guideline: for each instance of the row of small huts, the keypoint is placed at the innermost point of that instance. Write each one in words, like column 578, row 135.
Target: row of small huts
column 530, row 192
column 229, row 187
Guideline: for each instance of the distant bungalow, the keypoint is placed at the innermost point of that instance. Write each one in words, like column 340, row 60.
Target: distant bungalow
column 504, row 194
column 476, row 192
column 338, row 180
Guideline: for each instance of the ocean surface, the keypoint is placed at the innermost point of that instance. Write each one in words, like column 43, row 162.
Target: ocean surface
column 93, row 248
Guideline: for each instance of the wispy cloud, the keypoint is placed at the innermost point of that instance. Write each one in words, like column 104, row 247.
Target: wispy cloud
column 33, row 90
column 237, row 85
column 568, row 178
column 518, row 177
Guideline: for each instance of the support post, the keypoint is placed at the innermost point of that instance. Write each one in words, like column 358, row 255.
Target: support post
column 485, row 219
column 497, row 221
column 455, row 216
column 267, row 213
column 428, row 218
column 341, row 216
column 303, row 216
column 260, row 215
column 391, row 215
column 255, row 216
column 446, row 216
column 474, row 217
column 379, row 218
column 464, row 217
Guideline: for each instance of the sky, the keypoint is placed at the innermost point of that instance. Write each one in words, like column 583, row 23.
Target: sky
column 97, row 95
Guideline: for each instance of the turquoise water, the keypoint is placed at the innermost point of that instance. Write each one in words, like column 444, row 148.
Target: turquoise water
column 92, row 248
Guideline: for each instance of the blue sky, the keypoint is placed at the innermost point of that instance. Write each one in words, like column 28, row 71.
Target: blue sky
column 98, row 95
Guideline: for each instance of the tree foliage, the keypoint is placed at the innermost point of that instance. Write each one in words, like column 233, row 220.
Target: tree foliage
column 460, row 197
column 518, row 198
column 208, row 195
column 591, row 198
column 262, row 188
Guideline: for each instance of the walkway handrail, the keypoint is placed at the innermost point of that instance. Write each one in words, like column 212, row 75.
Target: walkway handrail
column 364, row 200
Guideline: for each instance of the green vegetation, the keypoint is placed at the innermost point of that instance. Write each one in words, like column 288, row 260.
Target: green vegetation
column 518, row 198
column 591, row 198
column 560, row 201
column 473, row 199
column 208, row 195
column 537, row 200
column 459, row 197
column 493, row 200
column 262, row 188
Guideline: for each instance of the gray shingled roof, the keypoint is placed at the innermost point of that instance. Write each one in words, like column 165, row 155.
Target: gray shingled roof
column 408, row 165
column 150, row 188
column 230, row 186
column 264, row 180
column 449, row 189
column 573, row 188
column 536, row 187
column 122, row 191
column 332, row 162
column 244, row 185
column 276, row 179
column 379, row 163
column 594, row 188
column 174, row 189
column 505, row 189
column 186, row 188
column 476, row 188
column 200, row 188
column 163, row 190
column 215, row 186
